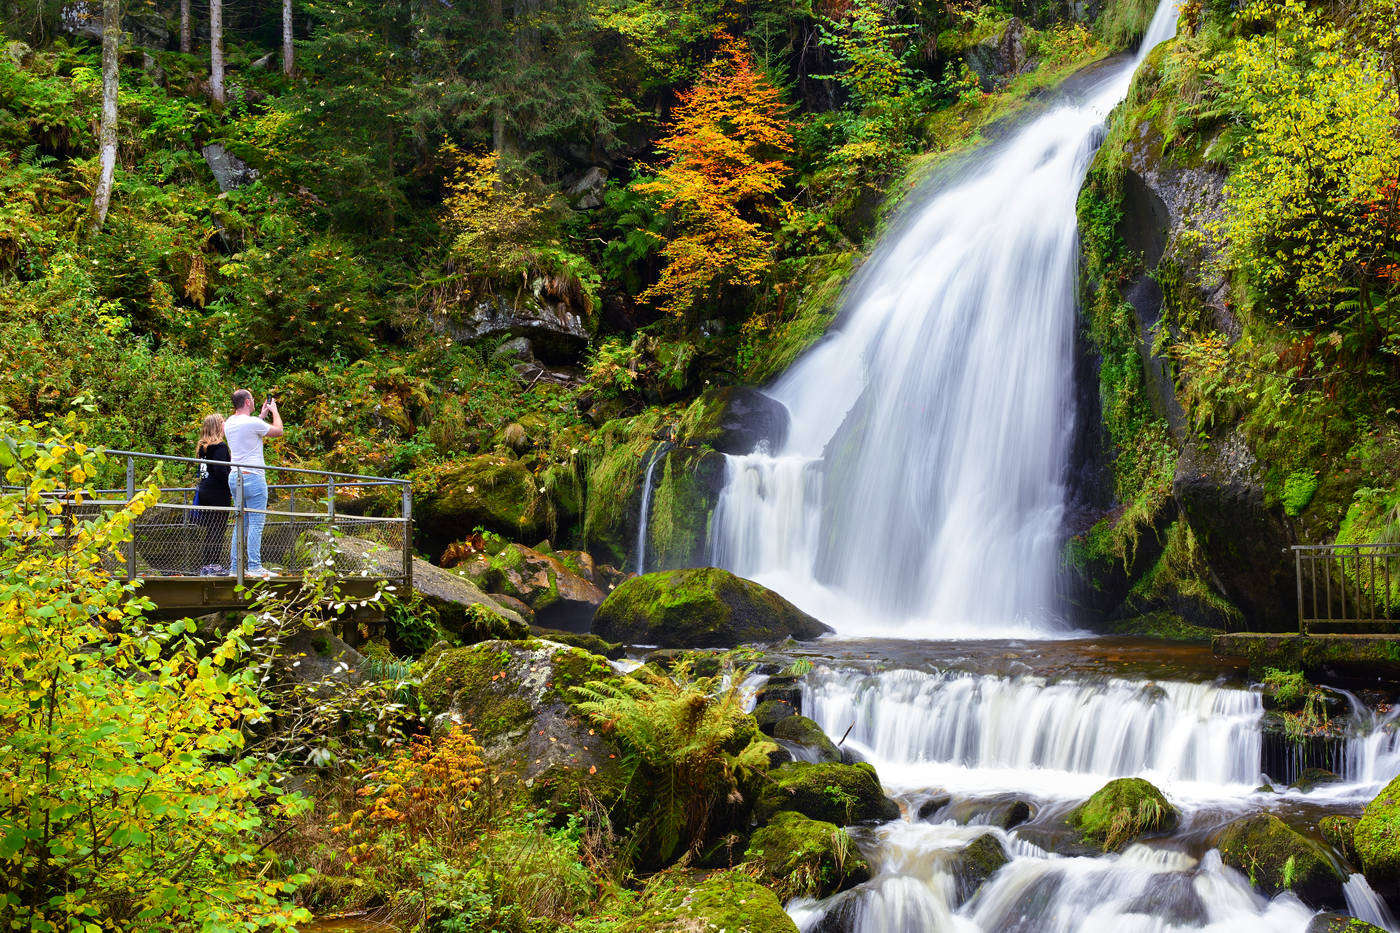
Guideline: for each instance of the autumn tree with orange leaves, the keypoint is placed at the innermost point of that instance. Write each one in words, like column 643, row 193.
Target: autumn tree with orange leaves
column 719, row 189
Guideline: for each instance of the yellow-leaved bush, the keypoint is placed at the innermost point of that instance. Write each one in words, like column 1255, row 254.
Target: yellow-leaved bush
column 125, row 800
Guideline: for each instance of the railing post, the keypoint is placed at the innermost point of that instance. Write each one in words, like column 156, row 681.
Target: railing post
column 1298, row 572
column 130, row 497
column 330, row 500
column 240, row 531
column 407, row 540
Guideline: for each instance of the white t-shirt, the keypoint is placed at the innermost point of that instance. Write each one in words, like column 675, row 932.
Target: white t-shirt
column 244, row 434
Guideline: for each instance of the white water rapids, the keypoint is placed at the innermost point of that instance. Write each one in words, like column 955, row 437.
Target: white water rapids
column 955, row 748
column 921, row 488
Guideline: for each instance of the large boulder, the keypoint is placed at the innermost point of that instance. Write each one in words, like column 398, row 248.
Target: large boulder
column 1122, row 810
column 835, row 793
column 1275, row 858
column 975, row 862
column 558, row 593
column 1341, row 923
column 1377, row 839
column 702, row 607
column 1000, row 58
column 493, row 492
column 547, row 315
column 803, row 738
column 801, row 857
column 515, row 697
column 725, row 901
column 1339, row 832
column 734, row 420
column 229, row 170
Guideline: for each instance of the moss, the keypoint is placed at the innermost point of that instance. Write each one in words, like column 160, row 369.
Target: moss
column 725, row 901
column 494, row 492
column 802, row 731
column 1122, row 810
column 584, row 640
column 1276, row 859
column 1341, row 923
column 1286, row 690
column 976, row 862
column 575, row 667
column 827, row 791
column 1164, row 625
column 1368, row 656
column 682, row 498
column 1339, row 832
column 614, row 464
column 702, row 607
column 1377, row 838
column 455, row 669
column 801, row 857
column 769, row 713
column 773, row 340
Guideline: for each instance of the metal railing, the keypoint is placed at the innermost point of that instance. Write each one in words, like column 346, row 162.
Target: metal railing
column 1347, row 584
column 178, row 538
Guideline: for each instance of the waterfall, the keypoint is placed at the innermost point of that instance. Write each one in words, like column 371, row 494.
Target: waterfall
column 644, row 517
column 921, row 488
column 1064, row 738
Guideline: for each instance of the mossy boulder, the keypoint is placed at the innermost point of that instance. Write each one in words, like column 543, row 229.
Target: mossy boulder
column 1377, row 839
column 1313, row 778
column 801, row 857
column 727, row 901
column 686, row 484
column 1275, row 858
column 1339, row 832
column 734, row 420
column 829, row 791
column 1341, row 923
column 808, row 737
column 768, row 713
column 702, row 607
column 516, row 698
column 974, row 863
column 557, row 592
column 698, row 663
column 495, row 492
column 1122, row 810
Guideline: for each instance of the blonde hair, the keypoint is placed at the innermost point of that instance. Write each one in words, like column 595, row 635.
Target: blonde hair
column 211, row 431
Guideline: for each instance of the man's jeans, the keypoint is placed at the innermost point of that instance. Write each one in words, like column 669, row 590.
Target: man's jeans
column 254, row 497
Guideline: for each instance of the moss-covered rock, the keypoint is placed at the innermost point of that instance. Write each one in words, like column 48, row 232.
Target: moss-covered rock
column 768, row 713
column 1377, row 838
column 1339, row 832
column 1275, row 858
column 807, row 735
column 685, row 487
column 558, row 595
column 801, row 857
column 835, row 793
column 702, row 607
column 725, row 901
column 498, row 493
column 697, row 663
column 1122, row 810
column 585, row 640
column 734, row 420
column 1341, row 923
column 1313, row 778
column 975, row 862
column 515, row 696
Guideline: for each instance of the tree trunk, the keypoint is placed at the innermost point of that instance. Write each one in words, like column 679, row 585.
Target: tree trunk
column 107, row 134
column 287, row 38
column 185, row 26
column 216, row 50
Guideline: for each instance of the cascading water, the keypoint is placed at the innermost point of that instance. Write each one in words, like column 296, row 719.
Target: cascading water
column 922, row 483
column 644, row 516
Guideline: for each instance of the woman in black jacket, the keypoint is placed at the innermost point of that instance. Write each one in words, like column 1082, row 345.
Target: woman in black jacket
column 212, row 491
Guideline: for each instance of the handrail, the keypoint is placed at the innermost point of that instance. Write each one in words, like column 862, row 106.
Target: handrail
column 1354, row 584
column 382, row 480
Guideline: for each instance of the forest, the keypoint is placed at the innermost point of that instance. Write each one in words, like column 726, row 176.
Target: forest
column 538, row 258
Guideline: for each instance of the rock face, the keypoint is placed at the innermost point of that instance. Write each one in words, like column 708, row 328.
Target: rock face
column 229, row 170
column 999, row 59
column 514, row 696
column 735, row 420
column 834, row 793
column 554, row 586
column 556, row 328
column 703, row 607
column 497, row 493
column 1377, row 839
column 1275, row 859
column 1122, row 810
column 801, row 857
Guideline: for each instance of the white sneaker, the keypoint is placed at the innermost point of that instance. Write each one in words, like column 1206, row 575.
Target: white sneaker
column 262, row 573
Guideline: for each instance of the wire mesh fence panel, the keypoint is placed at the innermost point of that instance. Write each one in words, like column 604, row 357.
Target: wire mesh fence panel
column 1340, row 585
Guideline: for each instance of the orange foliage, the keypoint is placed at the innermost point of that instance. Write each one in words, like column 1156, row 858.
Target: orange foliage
column 726, row 146
column 427, row 791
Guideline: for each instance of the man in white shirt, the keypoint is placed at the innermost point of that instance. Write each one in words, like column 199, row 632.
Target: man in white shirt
column 245, row 434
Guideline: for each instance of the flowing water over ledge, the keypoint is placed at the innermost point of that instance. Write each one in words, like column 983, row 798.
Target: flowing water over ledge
column 960, row 731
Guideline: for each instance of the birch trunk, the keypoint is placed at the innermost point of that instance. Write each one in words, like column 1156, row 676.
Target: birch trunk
column 216, row 50
column 287, row 60
column 107, row 134
column 185, row 26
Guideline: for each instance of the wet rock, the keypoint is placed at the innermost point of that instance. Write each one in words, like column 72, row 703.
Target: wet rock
column 734, row 420
column 768, row 713
column 702, row 607
column 516, row 348
column 1014, row 815
column 784, row 687
column 1339, row 832
column 1313, row 778
column 931, row 806
column 557, row 595
column 515, row 696
column 997, row 60
column 1171, row 898
column 1341, row 923
column 974, row 863
column 801, row 731
column 1275, row 858
column 229, row 170
column 1122, row 810
column 836, row 793
column 554, row 323
column 585, row 640
column 801, row 857
column 1377, row 839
